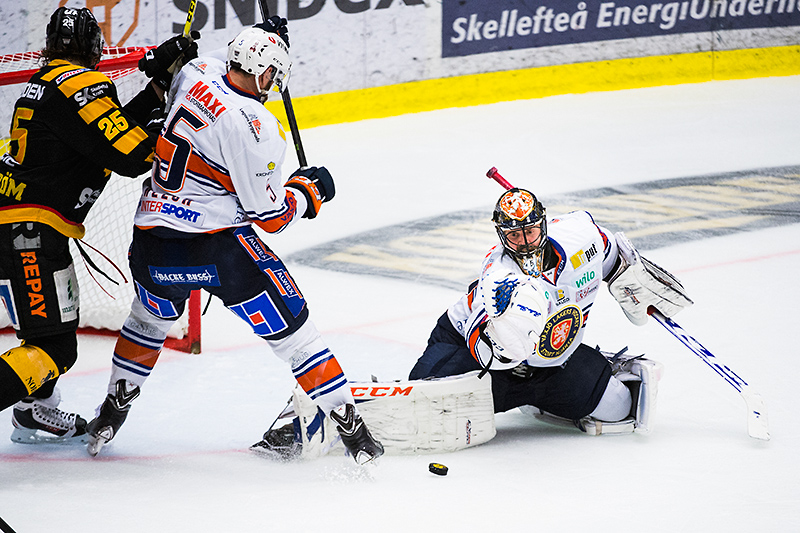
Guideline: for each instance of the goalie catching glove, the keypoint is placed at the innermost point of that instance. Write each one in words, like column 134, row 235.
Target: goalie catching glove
column 316, row 184
column 161, row 62
column 517, row 309
column 638, row 283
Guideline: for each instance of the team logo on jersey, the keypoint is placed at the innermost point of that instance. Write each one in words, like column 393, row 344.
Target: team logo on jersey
column 559, row 332
column 253, row 124
column 583, row 256
column 204, row 100
column 583, row 293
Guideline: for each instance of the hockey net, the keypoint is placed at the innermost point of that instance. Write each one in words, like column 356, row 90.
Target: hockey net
column 103, row 305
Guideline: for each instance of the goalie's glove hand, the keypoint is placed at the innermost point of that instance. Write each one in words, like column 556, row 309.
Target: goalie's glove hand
column 316, row 184
column 276, row 25
column 158, row 63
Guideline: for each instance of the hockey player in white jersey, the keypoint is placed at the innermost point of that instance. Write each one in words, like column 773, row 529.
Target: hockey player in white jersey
column 523, row 320
column 218, row 174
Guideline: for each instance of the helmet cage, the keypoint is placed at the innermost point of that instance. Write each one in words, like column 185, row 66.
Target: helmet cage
column 74, row 32
column 254, row 51
column 517, row 210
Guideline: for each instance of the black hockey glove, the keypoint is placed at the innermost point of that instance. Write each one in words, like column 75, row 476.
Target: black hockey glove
column 155, row 121
column 158, row 63
column 276, row 25
column 316, row 184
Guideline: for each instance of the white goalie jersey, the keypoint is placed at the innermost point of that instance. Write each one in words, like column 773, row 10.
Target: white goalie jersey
column 586, row 253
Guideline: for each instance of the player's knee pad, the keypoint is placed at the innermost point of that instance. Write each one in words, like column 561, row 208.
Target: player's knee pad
column 306, row 340
column 615, row 404
column 142, row 321
column 33, row 366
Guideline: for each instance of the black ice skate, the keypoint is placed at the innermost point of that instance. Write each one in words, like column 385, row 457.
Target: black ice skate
column 282, row 443
column 39, row 421
column 355, row 435
column 112, row 414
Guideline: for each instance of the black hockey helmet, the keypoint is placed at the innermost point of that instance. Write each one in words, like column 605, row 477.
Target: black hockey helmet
column 74, row 33
column 520, row 220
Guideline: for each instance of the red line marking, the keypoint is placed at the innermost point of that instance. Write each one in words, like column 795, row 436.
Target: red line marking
column 739, row 261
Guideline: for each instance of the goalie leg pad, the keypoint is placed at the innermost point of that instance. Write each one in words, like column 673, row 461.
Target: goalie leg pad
column 642, row 377
column 408, row 417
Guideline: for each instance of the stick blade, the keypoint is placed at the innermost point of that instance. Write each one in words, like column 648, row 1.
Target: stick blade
column 757, row 419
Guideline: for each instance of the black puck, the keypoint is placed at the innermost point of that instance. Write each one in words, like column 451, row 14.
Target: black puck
column 438, row 469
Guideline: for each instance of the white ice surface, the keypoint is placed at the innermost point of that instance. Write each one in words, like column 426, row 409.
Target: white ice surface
column 180, row 463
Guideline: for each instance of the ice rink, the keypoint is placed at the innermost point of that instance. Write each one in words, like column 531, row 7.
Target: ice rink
column 181, row 463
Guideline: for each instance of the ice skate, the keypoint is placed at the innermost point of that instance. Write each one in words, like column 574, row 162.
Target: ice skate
column 282, row 443
column 39, row 421
column 355, row 435
column 112, row 414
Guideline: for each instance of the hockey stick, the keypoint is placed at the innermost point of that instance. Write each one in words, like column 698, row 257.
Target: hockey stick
column 495, row 175
column 757, row 420
column 175, row 67
column 5, row 528
column 287, row 105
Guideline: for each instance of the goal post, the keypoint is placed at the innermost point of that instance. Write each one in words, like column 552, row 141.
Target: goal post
column 109, row 225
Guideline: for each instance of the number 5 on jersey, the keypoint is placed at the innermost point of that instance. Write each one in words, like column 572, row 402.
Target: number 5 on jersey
column 176, row 149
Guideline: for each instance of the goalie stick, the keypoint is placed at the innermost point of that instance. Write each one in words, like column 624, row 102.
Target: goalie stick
column 757, row 420
column 287, row 105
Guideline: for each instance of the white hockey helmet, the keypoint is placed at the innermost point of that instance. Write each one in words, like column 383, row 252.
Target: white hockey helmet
column 255, row 50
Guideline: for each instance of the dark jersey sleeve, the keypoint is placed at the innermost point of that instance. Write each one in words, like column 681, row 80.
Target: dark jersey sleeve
column 94, row 124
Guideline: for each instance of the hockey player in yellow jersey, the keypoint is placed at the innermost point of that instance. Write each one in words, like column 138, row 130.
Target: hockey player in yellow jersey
column 68, row 133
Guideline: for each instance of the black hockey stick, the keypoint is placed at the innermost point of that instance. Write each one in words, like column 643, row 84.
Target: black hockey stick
column 287, row 104
column 5, row 528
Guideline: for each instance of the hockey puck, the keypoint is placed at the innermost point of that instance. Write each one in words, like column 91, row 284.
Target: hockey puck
column 438, row 469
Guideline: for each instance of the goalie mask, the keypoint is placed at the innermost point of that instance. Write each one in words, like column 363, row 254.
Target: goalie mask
column 254, row 51
column 74, row 33
column 521, row 225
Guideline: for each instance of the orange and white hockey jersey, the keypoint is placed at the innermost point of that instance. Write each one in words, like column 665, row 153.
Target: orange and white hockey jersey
column 218, row 159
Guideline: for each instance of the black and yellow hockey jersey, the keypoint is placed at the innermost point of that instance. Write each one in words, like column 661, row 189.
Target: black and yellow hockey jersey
column 68, row 133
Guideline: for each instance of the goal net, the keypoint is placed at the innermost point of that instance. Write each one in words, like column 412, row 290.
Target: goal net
column 103, row 305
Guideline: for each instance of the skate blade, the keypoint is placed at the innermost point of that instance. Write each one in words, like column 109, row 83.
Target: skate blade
column 362, row 458
column 284, row 456
column 33, row 436
column 97, row 442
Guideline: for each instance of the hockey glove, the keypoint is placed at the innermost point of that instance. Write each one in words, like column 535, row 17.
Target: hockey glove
column 276, row 25
column 155, row 121
column 516, row 307
column 158, row 63
column 316, row 184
